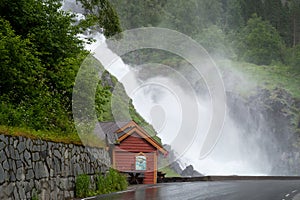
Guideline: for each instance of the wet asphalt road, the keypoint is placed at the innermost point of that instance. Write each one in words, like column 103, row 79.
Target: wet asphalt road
column 216, row 190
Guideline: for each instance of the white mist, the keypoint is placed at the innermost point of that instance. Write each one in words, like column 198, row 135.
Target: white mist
column 235, row 153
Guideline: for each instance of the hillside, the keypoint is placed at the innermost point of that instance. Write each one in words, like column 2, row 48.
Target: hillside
column 258, row 45
column 40, row 57
column 264, row 102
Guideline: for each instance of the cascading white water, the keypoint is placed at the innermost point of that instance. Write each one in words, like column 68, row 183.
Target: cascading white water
column 235, row 152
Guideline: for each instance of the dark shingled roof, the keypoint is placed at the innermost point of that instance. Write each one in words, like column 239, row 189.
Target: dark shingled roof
column 110, row 128
column 109, row 131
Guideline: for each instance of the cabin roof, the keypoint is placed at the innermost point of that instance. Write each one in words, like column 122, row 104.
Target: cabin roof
column 109, row 129
column 116, row 132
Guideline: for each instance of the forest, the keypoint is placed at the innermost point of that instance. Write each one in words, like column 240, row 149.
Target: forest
column 259, row 31
column 40, row 52
column 40, row 55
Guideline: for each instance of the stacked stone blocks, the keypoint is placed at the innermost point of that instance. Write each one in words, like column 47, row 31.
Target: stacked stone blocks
column 45, row 169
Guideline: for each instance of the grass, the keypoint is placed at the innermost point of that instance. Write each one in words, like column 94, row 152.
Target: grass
column 70, row 138
column 268, row 77
column 169, row 172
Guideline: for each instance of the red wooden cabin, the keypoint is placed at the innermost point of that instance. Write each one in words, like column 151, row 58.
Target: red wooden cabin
column 133, row 150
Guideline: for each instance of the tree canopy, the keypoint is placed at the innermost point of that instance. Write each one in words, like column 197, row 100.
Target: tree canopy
column 228, row 21
column 40, row 56
column 41, row 52
column 260, row 43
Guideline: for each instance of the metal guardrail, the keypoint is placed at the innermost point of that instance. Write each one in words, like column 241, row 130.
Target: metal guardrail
column 226, row 178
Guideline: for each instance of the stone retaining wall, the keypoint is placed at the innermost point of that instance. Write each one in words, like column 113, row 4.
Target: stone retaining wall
column 47, row 169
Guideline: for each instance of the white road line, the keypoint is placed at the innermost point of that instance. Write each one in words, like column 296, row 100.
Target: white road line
column 87, row 198
column 287, row 195
column 294, row 191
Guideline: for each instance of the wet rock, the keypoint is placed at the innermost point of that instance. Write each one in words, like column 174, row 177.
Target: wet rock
column 2, row 178
column 6, row 165
column 57, row 154
column 9, row 189
column 19, row 164
column 21, row 190
column 27, row 155
column 29, row 144
column 190, row 172
column 2, row 145
column 2, row 156
column 21, row 147
column 35, row 156
column 176, row 167
column 20, row 174
column 40, row 170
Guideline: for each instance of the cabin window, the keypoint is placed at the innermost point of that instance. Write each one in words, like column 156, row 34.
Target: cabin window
column 140, row 162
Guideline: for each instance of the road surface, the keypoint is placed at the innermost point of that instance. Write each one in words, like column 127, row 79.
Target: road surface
column 214, row 190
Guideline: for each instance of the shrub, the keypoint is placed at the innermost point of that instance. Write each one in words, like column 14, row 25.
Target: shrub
column 82, row 185
column 112, row 182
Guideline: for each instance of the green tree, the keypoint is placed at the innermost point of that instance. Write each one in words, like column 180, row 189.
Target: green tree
column 53, row 35
column 40, row 55
column 259, row 42
column 284, row 28
column 215, row 42
column 211, row 12
column 48, row 28
column 233, row 15
column 293, row 57
column 278, row 14
column 20, row 68
column 295, row 21
column 25, row 98
column 190, row 17
column 251, row 7
column 104, row 15
column 272, row 11
column 136, row 13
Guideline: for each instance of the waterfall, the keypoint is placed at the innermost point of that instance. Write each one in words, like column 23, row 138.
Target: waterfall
column 237, row 152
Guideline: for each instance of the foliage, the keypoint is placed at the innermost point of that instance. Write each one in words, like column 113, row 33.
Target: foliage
column 17, row 57
column 293, row 57
column 222, row 20
column 34, row 195
column 136, row 13
column 108, row 93
column 82, row 185
column 40, row 52
column 104, row 15
column 40, row 55
column 50, row 29
column 260, row 43
column 25, row 98
column 71, row 138
column 113, row 181
column 34, row 198
column 190, row 17
column 267, row 77
column 233, row 19
column 294, row 6
column 251, row 7
column 215, row 42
